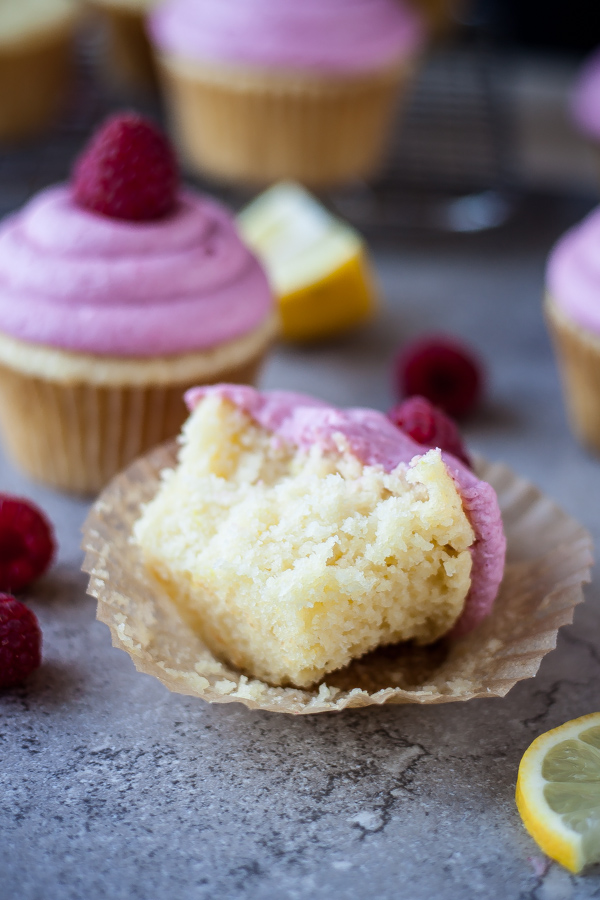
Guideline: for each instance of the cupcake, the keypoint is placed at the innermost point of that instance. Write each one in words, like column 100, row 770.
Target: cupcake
column 260, row 90
column 585, row 102
column 572, row 308
column 35, row 58
column 295, row 537
column 128, row 59
column 117, row 292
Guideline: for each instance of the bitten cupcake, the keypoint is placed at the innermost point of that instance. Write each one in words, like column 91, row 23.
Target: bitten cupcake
column 117, row 292
column 295, row 537
column 35, row 62
column 572, row 308
column 262, row 90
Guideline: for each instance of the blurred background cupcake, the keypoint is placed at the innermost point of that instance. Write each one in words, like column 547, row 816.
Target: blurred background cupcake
column 267, row 89
column 35, row 63
column 585, row 102
column 127, row 59
column 573, row 314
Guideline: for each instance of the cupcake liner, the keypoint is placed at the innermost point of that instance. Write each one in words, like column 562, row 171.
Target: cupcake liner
column 259, row 127
column 35, row 74
column 129, row 61
column 549, row 557
column 75, row 437
column 578, row 354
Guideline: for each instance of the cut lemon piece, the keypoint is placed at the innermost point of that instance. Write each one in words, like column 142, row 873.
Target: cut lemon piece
column 558, row 792
column 317, row 265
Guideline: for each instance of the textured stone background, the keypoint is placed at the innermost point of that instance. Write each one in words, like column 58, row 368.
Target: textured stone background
column 110, row 787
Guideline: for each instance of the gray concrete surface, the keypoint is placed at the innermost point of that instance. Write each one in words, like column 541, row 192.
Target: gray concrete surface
column 110, row 787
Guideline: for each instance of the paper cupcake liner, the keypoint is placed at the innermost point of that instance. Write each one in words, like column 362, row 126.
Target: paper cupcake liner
column 35, row 76
column 578, row 354
column 128, row 59
column 549, row 557
column 76, row 437
column 257, row 128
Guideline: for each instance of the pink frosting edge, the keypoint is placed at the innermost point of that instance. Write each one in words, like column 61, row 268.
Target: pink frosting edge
column 402, row 37
column 585, row 97
column 304, row 420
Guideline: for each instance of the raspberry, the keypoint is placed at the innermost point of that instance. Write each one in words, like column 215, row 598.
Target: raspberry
column 428, row 425
column 127, row 171
column 26, row 543
column 20, row 641
column 443, row 371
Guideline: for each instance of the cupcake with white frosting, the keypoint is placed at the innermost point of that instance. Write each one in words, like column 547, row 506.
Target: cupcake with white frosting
column 117, row 292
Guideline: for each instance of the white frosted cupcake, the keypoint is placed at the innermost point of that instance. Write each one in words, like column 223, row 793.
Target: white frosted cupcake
column 262, row 90
column 35, row 63
column 295, row 537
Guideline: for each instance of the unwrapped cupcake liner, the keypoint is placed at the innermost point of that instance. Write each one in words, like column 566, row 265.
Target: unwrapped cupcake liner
column 548, row 559
column 259, row 127
column 77, row 436
column 578, row 354
column 35, row 75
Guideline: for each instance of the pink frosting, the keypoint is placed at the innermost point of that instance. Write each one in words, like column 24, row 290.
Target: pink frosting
column 303, row 421
column 585, row 100
column 573, row 276
column 73, row 279
column 324, row 35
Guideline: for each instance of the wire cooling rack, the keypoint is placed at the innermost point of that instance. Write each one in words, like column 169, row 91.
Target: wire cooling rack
column 447, row 168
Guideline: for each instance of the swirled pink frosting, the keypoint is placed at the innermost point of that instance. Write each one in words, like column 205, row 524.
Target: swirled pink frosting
column 324, row 35
column 73, row 279
column 585, row 99
column 573, row 274
column 303, row 421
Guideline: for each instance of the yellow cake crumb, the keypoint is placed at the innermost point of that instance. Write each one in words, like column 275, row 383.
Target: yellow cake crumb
column 290, row 563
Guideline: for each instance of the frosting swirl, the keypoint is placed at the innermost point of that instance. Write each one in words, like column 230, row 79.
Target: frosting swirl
column 573, row 275
column 324, row 35
column 72, row 279
column 375, row 441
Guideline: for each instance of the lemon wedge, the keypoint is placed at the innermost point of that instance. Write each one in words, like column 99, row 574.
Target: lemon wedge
column 317, row 264
column 558, row 792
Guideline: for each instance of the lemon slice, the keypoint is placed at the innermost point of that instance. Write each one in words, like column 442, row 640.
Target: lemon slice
column 558, row 792
column 316, row 264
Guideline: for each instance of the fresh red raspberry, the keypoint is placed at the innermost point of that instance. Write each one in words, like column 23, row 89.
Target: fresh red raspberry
column 27, row 543
column 428, row 425
column 127, row 171
column 442, row 370
column 20, row 641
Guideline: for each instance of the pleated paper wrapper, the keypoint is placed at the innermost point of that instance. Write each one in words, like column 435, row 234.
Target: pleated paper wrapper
column 548, row 560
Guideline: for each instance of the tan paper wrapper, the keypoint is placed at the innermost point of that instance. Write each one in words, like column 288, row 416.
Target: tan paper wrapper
column 254, row 127
column 35, row 76
column 76, row 437
column 549, row 557
column 578, row 354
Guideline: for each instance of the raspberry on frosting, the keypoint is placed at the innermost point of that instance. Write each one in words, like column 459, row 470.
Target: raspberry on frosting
column 428, row 425
column 127, row 171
